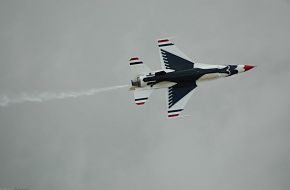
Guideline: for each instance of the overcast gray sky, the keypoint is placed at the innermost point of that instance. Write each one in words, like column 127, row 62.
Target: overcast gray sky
column 237, row 137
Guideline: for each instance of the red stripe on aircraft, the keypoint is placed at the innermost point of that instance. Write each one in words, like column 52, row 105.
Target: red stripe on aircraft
column 134, row 58
column 173, row 115
column 160, row 41
column 140, row 103
column 248, row 67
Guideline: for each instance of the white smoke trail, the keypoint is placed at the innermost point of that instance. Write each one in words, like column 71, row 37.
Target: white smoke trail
column 46, row 96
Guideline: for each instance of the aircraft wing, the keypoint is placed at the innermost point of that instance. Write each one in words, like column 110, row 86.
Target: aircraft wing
column 171, row 57
column 177, row 97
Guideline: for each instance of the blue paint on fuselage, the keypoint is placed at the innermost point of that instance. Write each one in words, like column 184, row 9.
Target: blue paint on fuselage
column 190, row 75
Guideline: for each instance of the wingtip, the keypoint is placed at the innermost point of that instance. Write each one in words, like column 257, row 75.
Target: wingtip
column 134, row 59
column 173, row 115
column 163, row 40
column 169, row 38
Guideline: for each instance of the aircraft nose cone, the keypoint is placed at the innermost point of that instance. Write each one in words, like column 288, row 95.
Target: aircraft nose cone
column 248, row 67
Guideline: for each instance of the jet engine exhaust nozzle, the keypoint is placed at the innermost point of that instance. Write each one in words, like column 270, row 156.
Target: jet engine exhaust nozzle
column 136, row 82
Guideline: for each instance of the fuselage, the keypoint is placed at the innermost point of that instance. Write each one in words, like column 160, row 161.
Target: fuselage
column 164, row 78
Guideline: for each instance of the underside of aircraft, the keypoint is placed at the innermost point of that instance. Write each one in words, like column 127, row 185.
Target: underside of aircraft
column 179, row 74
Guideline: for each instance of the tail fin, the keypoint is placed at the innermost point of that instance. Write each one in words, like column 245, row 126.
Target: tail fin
column 141, row 96
column 137, row 67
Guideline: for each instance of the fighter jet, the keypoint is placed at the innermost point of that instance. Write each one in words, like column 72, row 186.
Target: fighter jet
column 179, row 74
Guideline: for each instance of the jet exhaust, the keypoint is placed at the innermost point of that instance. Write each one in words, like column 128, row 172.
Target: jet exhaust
column 6, row 100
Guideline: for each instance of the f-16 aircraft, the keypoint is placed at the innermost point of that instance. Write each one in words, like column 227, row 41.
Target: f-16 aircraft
column 179, row 74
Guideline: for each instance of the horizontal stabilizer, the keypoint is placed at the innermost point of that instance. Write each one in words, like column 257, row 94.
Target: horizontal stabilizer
column 141, row 96
column 138, row 67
